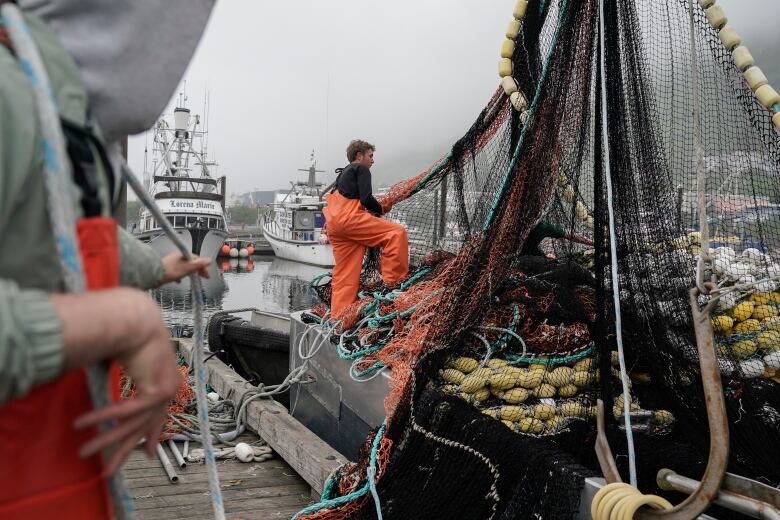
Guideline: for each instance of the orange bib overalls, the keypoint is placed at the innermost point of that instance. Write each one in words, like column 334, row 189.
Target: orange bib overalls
column 352, row 229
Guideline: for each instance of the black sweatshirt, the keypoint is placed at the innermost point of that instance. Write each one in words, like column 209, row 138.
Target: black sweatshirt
column 354, row 182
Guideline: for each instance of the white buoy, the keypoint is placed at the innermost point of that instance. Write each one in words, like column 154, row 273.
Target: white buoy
column 233, row 252
column 747, row 279
column 772, row 360
column 721, row 265
column 243, row 253
column 738, row 269
column 752, row 255
column 213, row 397
column 727, row 301
column 725, row 252
column 244, row 452
column 751, row 368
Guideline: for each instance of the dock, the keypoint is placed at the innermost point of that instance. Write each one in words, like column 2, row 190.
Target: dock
column 277, row 488
column 255, row 490
column 255, row 235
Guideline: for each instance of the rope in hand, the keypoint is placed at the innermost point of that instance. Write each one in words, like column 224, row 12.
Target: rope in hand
column 198, row 364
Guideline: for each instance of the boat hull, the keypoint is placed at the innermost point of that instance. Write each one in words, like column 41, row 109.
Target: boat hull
column 201, row 242
column 312, row 253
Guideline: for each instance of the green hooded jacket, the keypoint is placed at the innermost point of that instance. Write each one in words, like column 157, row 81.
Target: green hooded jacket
column 30, row 333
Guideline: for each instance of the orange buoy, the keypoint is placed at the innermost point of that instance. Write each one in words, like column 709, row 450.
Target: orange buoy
column 250, row 250
column 225, row 249
column 226, row 265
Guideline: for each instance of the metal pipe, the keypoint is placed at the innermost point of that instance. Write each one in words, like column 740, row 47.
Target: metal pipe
column 176, row 455
column 186, row 450
column 717, row 419
column 166, row 463
column 669, row 480
column 603, row 451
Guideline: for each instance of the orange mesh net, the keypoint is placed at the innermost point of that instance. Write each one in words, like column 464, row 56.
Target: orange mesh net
column 184, row 396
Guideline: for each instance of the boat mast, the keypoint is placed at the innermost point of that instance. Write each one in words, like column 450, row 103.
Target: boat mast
column 312, row 171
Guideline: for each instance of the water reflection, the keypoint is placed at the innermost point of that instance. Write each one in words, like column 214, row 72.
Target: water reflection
column 237, row 265
column 266, row 283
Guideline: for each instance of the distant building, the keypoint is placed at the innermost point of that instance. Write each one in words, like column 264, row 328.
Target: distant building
column 256, row 199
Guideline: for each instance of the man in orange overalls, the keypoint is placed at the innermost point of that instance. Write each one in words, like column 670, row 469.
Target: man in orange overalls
column 354, row 224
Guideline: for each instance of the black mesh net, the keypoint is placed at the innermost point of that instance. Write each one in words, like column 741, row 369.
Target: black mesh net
column 509, row 309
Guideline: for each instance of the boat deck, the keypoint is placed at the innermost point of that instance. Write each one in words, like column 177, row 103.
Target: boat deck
column 256, row 490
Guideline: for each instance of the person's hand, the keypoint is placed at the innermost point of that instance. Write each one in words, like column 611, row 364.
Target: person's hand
column 126, row 326
column 386, row 205
column 176, row 267
column 153, row 369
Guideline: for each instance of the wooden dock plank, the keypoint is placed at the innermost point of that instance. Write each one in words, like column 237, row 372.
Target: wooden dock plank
column 270, row 489
column 161, row 480
column 262, row 507
column 307, row 454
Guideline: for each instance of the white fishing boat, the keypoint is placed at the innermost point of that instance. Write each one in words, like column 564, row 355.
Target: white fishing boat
column 184, row 185
column 294, row 226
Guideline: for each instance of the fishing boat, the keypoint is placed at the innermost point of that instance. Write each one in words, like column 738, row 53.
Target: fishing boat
column 294, row 226
column 494, row 383
column 184, row 185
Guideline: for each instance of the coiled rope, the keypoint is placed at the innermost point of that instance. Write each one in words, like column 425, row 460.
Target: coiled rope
column 619, row 501
column 61, row 208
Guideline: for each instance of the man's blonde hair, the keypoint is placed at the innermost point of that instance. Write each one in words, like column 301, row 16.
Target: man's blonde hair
column 357, row 146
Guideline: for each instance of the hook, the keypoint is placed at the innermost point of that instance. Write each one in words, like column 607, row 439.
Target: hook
column 717, row 419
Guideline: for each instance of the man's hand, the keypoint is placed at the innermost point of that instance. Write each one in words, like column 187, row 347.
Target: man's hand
column 386, row 205
column 126, row 326
column 176, row 267
column 152, row 369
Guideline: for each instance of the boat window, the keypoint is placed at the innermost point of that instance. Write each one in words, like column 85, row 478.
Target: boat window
column 192, row 221
column 170, row 219
column 178, row 221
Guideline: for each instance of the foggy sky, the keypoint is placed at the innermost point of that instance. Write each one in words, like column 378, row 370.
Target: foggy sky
column 410, row 76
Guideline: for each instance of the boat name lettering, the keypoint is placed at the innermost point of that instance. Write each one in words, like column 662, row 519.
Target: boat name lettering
column 192, row 204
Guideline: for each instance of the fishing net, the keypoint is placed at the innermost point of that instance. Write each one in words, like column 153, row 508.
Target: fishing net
column 504, row 334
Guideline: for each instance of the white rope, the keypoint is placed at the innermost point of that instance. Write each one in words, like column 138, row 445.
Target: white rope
column 493, row 494
column 511, row 333
column 62, row 213
column 197, row 362
column 701, row 180
column 613, row 255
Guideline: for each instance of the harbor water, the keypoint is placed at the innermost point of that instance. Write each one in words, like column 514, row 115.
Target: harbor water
column 263, row 282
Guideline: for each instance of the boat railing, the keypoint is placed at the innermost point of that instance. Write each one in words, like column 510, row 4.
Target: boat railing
column 194, row 180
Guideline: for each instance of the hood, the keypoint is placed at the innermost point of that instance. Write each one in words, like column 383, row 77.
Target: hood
column 132, row 53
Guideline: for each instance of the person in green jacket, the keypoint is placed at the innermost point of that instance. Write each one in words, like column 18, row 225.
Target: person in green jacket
column 45, row 332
